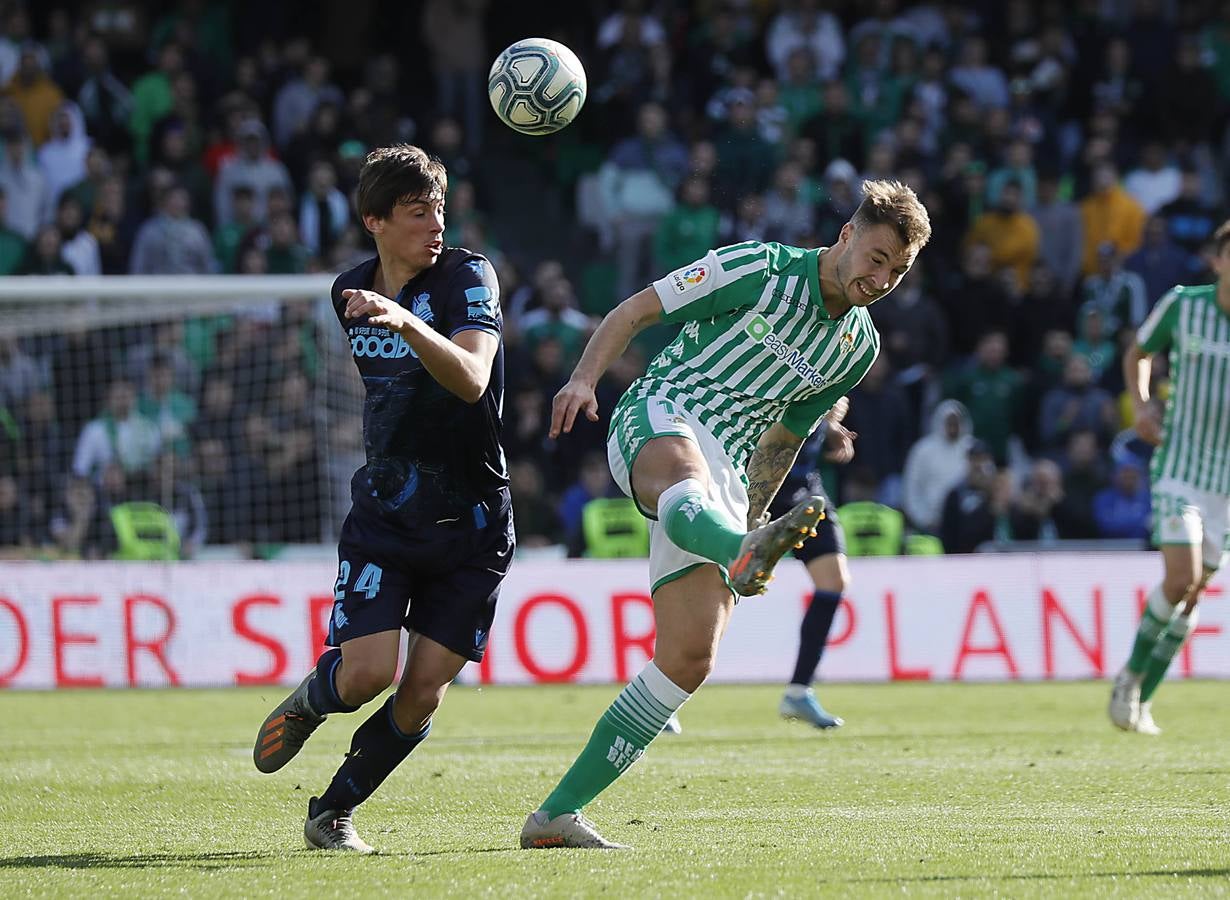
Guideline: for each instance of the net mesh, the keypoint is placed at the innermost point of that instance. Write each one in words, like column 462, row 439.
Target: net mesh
column 237, row 417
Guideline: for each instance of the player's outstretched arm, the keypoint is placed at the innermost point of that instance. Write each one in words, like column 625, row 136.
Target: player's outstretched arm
column 607, row 344
column 768, row 467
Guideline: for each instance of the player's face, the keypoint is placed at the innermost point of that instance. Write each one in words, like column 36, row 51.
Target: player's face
column 872, row 262
column 412, row 233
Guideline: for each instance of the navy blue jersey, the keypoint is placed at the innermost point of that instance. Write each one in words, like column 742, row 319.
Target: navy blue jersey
column 431, row 457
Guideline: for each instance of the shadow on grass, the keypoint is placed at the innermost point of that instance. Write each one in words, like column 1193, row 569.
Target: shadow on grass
column 1045, row 876
column 216, row 860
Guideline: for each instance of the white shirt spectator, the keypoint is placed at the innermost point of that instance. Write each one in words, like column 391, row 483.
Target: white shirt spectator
column 935, row 465
column 133, row 442
column 819, row 32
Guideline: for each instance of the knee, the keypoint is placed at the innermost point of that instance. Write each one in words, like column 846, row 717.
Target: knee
column 359, row 681
column 687, row 668
column 420, row 694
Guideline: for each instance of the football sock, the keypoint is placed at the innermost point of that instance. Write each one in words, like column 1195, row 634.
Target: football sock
column 377, row 748
column 695, row 524
column 1164, row 651
column 1153, row 621
column 637, row 716
column 813, row 634
column 322, row 690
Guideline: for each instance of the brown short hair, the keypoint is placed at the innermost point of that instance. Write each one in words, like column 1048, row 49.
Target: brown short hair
column 396, row 175
column 1221, row 237
column 896, row 204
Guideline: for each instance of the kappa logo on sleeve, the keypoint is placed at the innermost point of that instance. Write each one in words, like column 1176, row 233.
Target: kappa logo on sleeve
column 684, row 280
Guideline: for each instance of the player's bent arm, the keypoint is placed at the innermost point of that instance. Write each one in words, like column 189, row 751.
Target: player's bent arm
column 1137, row 367
column 770, row 463
column 608, row 342
column 462, row 365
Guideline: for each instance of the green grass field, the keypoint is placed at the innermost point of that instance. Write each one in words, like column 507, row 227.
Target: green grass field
column 930, row 790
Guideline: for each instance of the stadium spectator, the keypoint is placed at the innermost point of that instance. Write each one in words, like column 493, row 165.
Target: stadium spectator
column 1160, row 262
column 1108, row 213
column 1191, row 216
column 557, row 319
column 880, row 416
column 1010, row 232
column 114, row 225
column 152, row 98
column 228, row 239
column 688, row 231
column 20, row 374
column 35, row 94
column 936, row 464
column 42, row 460
column 1034, row 515
column 802, row 25
column 174, row 150
column 119, row 435
column 61, row 158
column 251, row 165
column 170, row 409
column 324, row 211
column 977, row 510
column 1084, row 475
column 1077, row 404
column 1094, row 342
column 1117, row 292
column 1156, row 181
column 284, row 254
column 1017, row 166
column 975, row 299
column 1059, row 231
column 13, row 245
column 105, row 101
column 24, row 189
column 79, row 247
column 789, row 213
column 98, row 168
column 298, row 98
column 837, row 130
column 593, row 482
column 1122, row 509
column 537, row 522
column 973, row 75
column 172, row 242
column 44, row 255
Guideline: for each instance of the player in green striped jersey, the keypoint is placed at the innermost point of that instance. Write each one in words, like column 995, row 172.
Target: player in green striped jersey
column 1190, row 471
column 772, row 336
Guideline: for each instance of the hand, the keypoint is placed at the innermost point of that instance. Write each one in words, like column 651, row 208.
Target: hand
column 840, row 443
column 573, row 398
column 378, row 309
column 1149, row 423
column 839, row 410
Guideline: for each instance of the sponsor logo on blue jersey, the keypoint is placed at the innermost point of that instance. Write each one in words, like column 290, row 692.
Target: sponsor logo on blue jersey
column 383, row 346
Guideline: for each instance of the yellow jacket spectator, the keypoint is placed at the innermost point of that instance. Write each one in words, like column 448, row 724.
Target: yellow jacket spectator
column 1011, row 233
column 35, row 94
column 1109, row 213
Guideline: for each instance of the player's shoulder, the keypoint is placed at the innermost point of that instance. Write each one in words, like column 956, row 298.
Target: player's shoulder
column 358, row 277
column 1194, row 291
column 461, row 264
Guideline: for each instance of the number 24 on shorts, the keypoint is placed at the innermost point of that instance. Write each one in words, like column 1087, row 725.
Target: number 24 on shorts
column 368, row 582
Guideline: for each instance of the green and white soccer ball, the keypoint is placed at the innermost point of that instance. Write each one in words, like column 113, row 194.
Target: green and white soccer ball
column 537, row 86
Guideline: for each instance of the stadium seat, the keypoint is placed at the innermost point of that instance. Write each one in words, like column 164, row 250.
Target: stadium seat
column 872, row 529
column 613, row 528
column 144, row 531
column 923, row 545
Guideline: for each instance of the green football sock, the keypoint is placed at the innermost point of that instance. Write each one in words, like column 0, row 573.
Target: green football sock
column 695, row 524
column 637, row 716
column 1153, row 621
column 1167, row 646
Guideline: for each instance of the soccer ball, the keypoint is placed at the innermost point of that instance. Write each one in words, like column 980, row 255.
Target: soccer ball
column 536, row 86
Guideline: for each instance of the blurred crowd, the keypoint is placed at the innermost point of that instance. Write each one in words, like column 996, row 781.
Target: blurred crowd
column 1071, row 155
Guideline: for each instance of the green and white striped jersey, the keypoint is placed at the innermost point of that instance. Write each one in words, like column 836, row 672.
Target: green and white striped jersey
column 757, row 346
column 1195, row 446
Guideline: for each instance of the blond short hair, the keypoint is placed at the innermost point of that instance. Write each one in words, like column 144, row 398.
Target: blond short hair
column 893, row 203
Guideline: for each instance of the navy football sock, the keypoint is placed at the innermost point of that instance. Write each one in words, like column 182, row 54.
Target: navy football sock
column 322, row 690
column 813, row 634
column 377, row 748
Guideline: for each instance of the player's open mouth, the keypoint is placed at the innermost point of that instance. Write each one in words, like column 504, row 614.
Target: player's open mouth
column 865, row 292
column 436, row 245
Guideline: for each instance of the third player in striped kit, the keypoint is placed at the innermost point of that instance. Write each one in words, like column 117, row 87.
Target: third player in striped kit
column 1190, row 472
column 772, row 336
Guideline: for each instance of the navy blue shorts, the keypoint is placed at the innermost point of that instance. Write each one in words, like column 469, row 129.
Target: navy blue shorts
column 442, row 582
column 830, row 537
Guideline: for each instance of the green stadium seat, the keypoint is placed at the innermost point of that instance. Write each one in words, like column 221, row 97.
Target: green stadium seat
column 144, row 531
column 613, row 529
column 923, row 545
column 872, row 529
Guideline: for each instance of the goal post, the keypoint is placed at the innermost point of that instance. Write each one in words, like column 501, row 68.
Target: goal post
column 229, row 401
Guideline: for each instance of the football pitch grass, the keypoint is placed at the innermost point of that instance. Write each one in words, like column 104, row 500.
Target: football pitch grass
column 1020, row 790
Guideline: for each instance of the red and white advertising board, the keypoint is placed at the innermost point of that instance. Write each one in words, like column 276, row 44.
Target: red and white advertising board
column 972, row 618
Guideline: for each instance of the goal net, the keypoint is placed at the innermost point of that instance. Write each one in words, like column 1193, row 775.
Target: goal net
column 173, row 417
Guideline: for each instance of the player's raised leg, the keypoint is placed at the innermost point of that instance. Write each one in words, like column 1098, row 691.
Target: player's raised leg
column 831, row 575
column 344, row 679
column 690, row 614
column 380, row 744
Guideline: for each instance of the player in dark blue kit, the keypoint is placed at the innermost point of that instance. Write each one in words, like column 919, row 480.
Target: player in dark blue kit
column 825, row 558
column 429, row 537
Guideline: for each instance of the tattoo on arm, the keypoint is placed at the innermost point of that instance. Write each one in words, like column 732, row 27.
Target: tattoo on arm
column 766, row 471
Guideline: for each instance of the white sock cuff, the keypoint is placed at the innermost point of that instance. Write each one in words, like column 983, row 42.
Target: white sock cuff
column 672, row 495
column 1183, row 625
column 665, row 691
column 1159, row 605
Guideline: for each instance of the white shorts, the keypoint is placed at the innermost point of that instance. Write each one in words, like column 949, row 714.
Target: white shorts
column 639, row 421
column 1186, row 515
